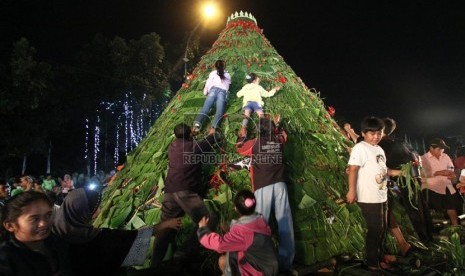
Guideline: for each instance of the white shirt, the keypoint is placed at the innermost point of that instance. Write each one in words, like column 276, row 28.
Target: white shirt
column 215, row 80
column 438, row 183
column 371, row 177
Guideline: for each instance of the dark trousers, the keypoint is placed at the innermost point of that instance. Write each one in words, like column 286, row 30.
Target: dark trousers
column 375, row 215
column 176, row 205
column 418, row 211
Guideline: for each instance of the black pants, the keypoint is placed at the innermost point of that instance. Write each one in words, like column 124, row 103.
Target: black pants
column 375, row 215
column 176, row 205
column 418, row 211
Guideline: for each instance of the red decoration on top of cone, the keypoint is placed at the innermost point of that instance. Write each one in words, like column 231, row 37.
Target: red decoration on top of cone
column 245, row 24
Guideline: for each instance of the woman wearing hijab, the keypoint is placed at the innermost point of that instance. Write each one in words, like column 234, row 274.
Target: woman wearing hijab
column 100, row 251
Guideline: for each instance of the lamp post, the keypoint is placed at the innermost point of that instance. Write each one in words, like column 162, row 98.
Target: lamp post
column 209, row 10
column 185, row 59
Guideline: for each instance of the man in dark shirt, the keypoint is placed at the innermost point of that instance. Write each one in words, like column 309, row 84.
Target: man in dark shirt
column 269, row 184
column 398, row 153
column 183, row 186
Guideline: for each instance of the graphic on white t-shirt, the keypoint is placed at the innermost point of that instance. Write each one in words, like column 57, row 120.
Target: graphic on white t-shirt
column 381, row 178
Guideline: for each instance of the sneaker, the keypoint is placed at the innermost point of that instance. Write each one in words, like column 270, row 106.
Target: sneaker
column 241, row 164
column 195, row 129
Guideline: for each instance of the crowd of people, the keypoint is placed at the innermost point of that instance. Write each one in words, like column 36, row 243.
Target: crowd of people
column 47, row 230
column 56, row 189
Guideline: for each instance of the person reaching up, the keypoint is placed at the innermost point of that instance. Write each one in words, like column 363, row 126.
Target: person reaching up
column 184, row 191
column 269, row 184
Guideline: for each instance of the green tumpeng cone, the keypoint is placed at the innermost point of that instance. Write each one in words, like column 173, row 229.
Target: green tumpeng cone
column 316, row 153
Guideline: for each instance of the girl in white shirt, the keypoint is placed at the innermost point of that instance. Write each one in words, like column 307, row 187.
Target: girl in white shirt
column 216, row 90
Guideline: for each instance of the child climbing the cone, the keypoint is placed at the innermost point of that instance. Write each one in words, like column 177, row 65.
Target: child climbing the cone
column 216, row 90
column 252, row 102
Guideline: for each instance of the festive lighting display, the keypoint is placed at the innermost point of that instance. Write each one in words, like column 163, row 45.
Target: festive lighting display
column 125, row 123
column 116, row 154
column 86, row 148
column 96, row 143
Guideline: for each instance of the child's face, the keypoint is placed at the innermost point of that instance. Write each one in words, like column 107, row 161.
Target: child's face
column 373, row 137
column 33, row 224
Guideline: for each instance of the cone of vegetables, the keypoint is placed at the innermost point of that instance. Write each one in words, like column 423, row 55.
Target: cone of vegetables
column 315, row 155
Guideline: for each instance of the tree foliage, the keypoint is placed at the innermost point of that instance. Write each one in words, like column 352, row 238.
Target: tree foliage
column 25, row 81
column 109, row 68
column 41, row 103
column 27, row 85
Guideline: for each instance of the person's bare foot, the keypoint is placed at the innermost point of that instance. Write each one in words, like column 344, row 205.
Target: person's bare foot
column 211, row 131
column 390, row 259
column 387, row 267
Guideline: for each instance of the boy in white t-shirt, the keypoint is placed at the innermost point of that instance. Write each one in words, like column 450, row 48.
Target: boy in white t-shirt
column 368, row 187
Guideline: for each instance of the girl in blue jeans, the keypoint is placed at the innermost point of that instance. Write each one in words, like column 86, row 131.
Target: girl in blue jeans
column 216, row 90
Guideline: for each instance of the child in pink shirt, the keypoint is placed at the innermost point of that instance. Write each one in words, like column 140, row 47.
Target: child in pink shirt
column 248, row 245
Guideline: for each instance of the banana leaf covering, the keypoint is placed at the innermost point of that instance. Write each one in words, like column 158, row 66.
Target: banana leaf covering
column 316, row 153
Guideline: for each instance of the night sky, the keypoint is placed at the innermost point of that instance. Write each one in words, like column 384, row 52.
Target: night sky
column 403, row 59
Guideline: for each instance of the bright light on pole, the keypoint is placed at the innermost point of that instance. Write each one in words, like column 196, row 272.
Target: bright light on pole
column 209, row 11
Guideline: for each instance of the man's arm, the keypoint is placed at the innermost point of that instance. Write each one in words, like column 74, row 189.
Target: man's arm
column 207, row 144
column 246, row 148
column 351, row 196
column 394, row 172
column 280, row 132
column 353, row 136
